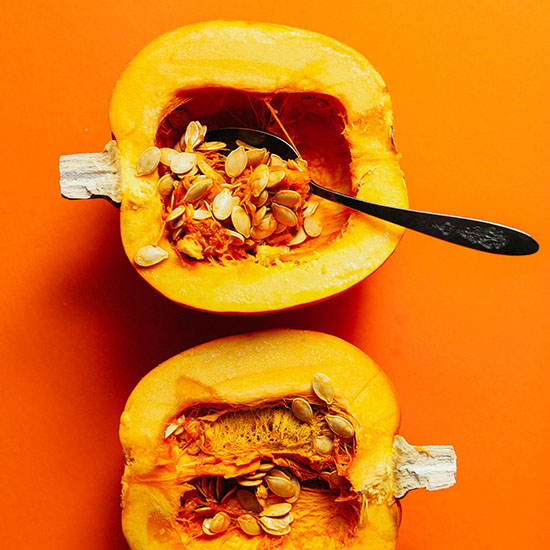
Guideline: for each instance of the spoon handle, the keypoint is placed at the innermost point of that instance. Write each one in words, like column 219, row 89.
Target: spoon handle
column 476, row 234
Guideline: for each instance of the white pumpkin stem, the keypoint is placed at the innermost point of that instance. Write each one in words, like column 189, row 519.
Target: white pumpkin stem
column 91, row 175
column 431, row 467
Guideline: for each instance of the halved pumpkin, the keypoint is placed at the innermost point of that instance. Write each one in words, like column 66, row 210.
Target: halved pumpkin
column 282, row 437
column 334, row 106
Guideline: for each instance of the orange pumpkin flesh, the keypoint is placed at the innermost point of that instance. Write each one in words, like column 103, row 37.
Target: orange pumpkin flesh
column 246, row 385
column 334, row 106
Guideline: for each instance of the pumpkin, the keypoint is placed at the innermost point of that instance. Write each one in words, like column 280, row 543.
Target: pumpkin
column 321, row 94
column 277, row 437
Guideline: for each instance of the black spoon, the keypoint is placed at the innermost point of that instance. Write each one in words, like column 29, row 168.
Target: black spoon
column 477, row 234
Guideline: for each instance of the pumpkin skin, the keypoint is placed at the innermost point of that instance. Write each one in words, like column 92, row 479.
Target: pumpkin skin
column 242, row 372
column 349, row 147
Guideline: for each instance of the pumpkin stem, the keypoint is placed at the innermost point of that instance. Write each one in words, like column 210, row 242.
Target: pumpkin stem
column 91, row 175
column 430, row 467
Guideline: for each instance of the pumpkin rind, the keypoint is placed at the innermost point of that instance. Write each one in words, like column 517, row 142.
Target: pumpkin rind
column 243, row 371
column 261, row 59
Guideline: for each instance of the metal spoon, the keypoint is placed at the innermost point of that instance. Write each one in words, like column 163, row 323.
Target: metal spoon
column 477, row 234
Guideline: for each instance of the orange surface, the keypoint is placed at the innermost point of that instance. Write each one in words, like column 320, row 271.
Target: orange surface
column 462, row 334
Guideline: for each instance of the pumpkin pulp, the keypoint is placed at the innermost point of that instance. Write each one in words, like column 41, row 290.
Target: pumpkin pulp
column 313, row 123
column 231, row 462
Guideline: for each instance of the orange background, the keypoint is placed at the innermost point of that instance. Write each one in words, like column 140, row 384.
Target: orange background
column 462, row 334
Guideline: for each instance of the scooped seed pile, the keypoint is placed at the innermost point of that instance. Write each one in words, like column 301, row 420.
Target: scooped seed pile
column 222, row 204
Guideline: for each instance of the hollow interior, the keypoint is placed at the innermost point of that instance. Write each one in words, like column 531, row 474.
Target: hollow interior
column 224, row 459
column 314, row 122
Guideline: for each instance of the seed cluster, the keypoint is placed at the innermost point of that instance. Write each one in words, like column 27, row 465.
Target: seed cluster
column 221, row 204
column 262, row 500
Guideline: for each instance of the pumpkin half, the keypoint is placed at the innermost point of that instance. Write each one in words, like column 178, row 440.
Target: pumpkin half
column 282, row 437
column 334, row 107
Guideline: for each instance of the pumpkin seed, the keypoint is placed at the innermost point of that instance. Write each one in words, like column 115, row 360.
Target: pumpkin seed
column 212, row 146
column 201, row 214
column 249, row 482
column 296, row 485
column 281, row 227
column 236, row 201
column 309, row 208
column 203, row 131
column 255, row 475
column 170, row 430
column 201, row 509
column 206, row 527
column 148, row 161
column 277, row 510
column 219, row 523
column 238, row 239
column 281, row 487
column 261, row 493
column 275, row 526
column 323, row 445
column 287, row 197
column 193, row 134
column 259, row 179
column 340, row 426
column 176, row 213
column 248, row 501
column 183, row 162
column 313, row 227
column 228, row 495
column 262, row 198
column 222, row 205
column 275, row 472
column 207, row 170
column 264, row 229
column 179, row 430
column 241, row 143
column 259, row 216
column 166, row 155
column 336, row 479
column 176, row 234
column 249, row 525
column 256, row 156
column 241, row 220
column 266, row 466
column 297, row 238
column 276, row 160
column 235, row 163
column 165, row 185
column 276, row 177
column 302, row 410
column 150, row 255
column 322, row 386
column 284, row 215
column 198, row 190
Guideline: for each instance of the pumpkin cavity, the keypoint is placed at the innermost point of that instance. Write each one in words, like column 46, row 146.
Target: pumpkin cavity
column 246, row 203
column 258, row 470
